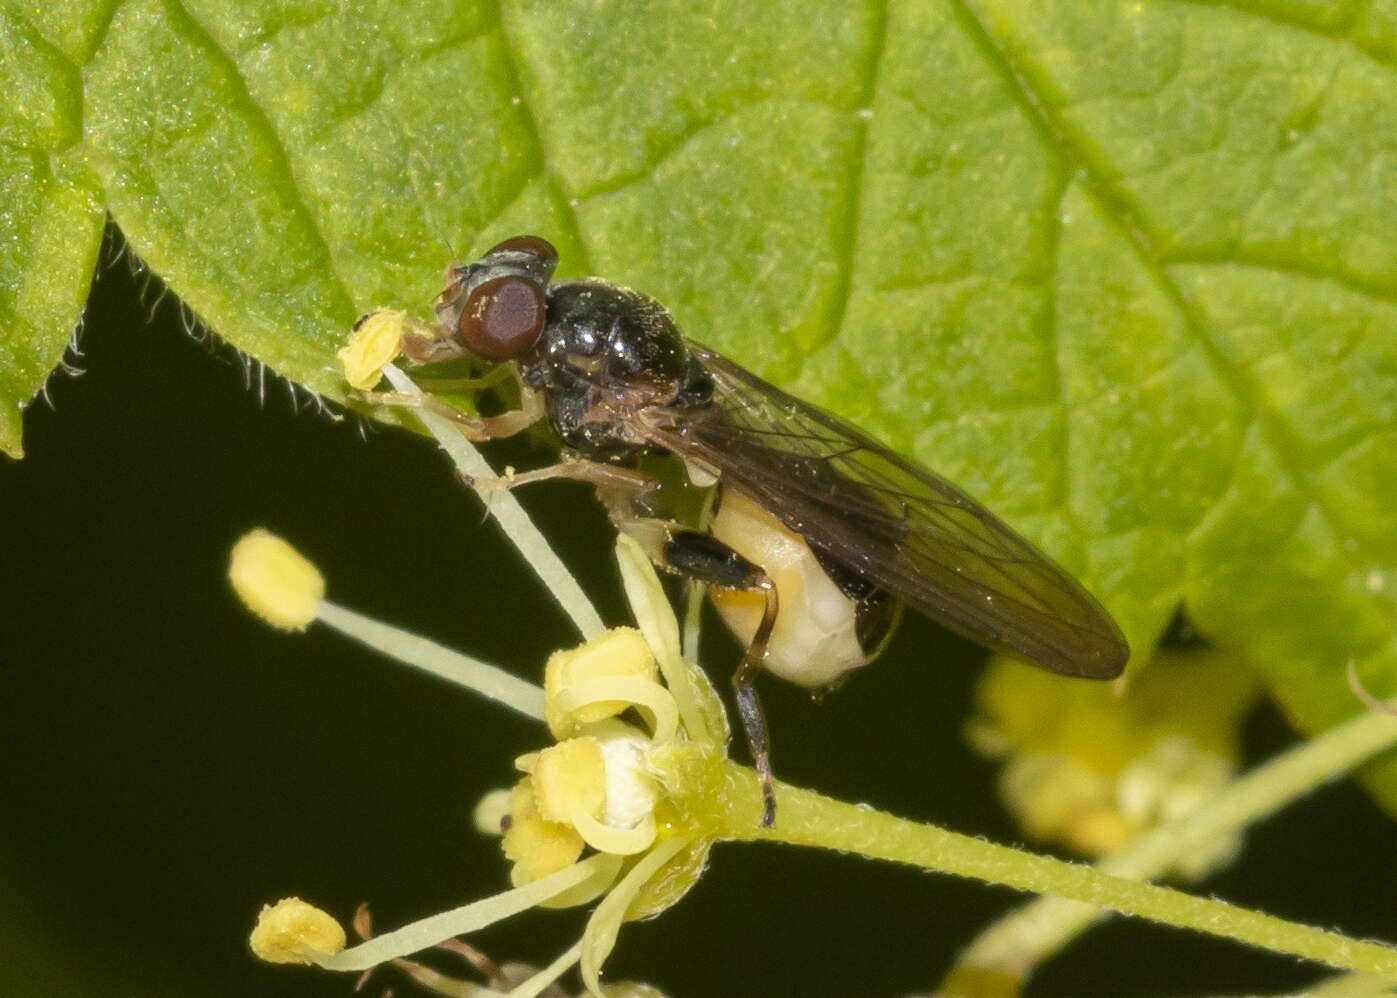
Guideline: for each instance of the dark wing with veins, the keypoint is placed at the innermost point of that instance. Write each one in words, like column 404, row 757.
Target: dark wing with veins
column 893, row 523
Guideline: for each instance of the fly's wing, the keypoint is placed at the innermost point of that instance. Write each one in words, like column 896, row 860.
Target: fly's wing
column 893, row 522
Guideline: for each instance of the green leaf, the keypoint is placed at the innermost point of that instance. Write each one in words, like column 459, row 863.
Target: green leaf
column 1126, row 271
column 50, row 204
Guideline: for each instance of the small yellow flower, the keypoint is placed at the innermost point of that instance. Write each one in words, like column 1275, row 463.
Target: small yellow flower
column 620, row 699
column 1094, row 769
column 1059, row 797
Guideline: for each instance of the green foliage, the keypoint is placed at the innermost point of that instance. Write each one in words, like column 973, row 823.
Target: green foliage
column 1125, row 271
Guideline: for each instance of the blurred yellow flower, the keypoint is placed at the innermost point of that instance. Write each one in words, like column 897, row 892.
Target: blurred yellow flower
column 1093, row 769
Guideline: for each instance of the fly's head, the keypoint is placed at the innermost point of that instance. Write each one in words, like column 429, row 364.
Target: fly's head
column 497, row 307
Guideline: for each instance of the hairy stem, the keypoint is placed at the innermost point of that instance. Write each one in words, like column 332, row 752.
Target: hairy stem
column 729, row 807
column 1027, row 936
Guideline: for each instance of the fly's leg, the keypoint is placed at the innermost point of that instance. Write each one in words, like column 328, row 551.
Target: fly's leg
column 618, row 486
column 497, row 375
column 424, row 344
column 609, row 478
column 477, row 428
column 705, row 558
column 612, row 482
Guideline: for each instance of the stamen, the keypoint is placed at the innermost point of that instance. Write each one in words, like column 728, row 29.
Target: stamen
column 655, row 617
column 275, row 581
column 570, row 774
column 536, row 985
column 491, row 811
column 620, row 652
column 373, row 343
column 649, row 696
column 421, row 653
column 469, row 918
column 608, row 866
column 599, row 938
column 510, row 515
column 618, row 841
column 292, row 931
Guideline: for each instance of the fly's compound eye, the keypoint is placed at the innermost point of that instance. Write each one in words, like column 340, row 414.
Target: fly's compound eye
column 503, row 317
column 533, row 245
column 534, row 255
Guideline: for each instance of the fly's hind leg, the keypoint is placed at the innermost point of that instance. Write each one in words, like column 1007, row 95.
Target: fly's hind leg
column 705, row 558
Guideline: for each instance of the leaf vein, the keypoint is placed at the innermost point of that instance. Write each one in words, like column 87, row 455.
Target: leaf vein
column 1343, row 29
column 1115, row 204
column 258, row 119
column 1252, row 260
column 1052, row 205
column 380, row 81
column 847, row 235
column 629, row 178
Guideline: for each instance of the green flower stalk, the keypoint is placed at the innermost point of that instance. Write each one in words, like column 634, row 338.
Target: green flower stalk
column 1012, row 947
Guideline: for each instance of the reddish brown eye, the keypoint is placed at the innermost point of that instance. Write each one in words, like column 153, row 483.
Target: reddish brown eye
column 503, row 317
column 533, row 245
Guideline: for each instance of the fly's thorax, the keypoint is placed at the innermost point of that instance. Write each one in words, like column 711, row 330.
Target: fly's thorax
column 821, row 631
column 606, row 354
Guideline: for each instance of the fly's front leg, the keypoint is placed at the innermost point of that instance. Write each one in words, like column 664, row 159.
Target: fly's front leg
column 423, row 343
column 497, row 375
column 705, row 558
column 477, row 428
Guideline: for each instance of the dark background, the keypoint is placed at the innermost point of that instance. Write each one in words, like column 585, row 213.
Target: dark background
column 168, row 764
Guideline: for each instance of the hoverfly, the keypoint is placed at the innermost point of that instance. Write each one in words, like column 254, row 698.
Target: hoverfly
column 819, row 532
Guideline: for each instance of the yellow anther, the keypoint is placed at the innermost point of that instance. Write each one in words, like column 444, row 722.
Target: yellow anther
column 291, row 929
column 275, row 581
column 536, row 847
column 374, row 342
column 570, row 776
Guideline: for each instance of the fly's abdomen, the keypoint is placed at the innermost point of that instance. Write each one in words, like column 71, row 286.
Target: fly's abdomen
column 821, row 632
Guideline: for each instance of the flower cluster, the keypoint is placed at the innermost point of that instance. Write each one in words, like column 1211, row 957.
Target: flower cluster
column 1095, row 770
column 612, row 704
